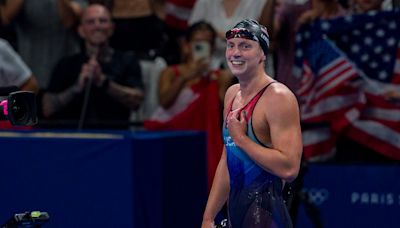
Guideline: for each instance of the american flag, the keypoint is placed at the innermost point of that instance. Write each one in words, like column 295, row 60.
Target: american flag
column 346, row 65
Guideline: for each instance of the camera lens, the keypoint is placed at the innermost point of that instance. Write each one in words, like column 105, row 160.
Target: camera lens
column 22, row 108
column 18, row 111
column 198, row 47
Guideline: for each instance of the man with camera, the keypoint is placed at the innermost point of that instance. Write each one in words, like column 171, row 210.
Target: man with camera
column 13, row 70
column 14, row 75
column 99, row 86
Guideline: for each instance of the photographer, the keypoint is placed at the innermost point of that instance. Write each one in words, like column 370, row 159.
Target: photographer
column 14, row 72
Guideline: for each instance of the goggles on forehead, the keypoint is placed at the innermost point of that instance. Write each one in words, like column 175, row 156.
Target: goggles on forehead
column 240, row 33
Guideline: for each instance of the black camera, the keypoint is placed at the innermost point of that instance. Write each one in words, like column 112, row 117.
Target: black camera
column 19, row 108
column 34, row 219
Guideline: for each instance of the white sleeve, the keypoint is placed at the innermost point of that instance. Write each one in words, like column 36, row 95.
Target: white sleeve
column 198, row 12
column 260, row 8
column 13, row 70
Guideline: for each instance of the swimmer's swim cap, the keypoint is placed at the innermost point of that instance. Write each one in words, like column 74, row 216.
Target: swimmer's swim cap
column 252, row 30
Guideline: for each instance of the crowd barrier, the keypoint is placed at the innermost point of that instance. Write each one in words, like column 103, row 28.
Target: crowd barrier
column 349, row 195
column 158, row 179
column 105, row 179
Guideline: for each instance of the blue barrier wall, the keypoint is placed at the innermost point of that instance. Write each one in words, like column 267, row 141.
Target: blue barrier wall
column 144, row 179
column 107, row 179
column 350, row 196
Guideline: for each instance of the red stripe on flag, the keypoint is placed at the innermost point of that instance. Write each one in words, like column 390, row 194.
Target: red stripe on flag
column 345, row 74
column 378, row 126
column 175, row 22
column 183, row 3
column 332, row 90
column 321, row 147
column 374, row 143
column 333, row 77
column 306, row 81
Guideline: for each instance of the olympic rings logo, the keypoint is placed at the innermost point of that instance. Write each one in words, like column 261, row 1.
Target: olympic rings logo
column 316, row 196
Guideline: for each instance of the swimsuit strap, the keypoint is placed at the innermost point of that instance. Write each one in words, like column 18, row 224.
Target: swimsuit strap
column 258, row 95
column 255, row 96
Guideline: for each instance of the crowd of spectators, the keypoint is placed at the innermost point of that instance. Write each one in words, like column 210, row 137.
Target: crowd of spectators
column 86, row 67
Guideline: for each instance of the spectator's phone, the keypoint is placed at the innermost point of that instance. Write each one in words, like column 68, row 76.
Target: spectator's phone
column 201, row 50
